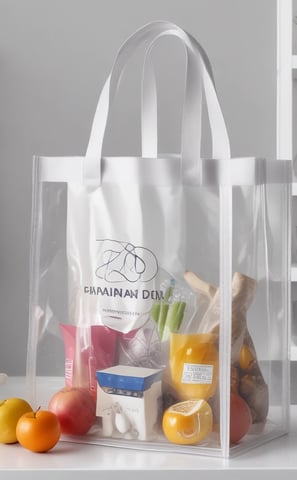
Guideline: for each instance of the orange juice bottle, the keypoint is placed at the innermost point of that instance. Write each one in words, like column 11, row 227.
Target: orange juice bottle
column 194, row 363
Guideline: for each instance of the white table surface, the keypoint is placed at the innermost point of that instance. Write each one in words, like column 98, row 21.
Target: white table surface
column 274, row 460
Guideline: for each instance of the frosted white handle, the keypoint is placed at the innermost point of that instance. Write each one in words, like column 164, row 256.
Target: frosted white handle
column 192, row 115
column 196, row 59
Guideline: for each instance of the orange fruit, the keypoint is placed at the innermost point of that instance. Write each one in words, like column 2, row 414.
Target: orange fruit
column 188, row 422
column 194, row 364
column 246, row 358
column 38, row 431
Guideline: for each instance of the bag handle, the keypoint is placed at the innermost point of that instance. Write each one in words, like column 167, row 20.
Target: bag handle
column 191, row 125
column 150, row 32
column 192, row 109
column 220, row 140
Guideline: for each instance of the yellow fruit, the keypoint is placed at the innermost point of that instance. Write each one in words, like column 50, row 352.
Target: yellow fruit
column 194, row 363
column 11, row 410
column 187, row 423
column 246, row 358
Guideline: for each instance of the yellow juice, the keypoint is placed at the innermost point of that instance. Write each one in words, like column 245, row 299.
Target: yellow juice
column 194, row 363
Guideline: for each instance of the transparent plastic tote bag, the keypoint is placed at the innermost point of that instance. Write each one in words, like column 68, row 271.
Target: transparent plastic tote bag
column 160, row 283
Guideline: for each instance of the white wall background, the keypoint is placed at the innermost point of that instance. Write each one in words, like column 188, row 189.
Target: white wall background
column 54, row 58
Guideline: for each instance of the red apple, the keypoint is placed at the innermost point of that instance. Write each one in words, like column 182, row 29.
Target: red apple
column 240, row 418
column 75, row 409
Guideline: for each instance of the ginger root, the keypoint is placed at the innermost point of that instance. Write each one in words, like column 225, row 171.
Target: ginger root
column 246, row 376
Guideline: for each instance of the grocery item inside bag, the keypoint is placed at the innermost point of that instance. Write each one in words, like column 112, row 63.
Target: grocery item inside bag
column 160, row 382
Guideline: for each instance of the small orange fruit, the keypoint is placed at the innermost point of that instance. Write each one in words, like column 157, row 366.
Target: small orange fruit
column 38, row 431
column 188, row 422
column 246, row 358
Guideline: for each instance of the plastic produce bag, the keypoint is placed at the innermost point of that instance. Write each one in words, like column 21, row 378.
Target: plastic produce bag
column 161, row 284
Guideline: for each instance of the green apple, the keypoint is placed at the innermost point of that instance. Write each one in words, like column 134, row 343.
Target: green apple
column 11, row 410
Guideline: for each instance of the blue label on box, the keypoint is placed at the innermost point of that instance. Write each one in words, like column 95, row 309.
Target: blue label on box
column 126, row 377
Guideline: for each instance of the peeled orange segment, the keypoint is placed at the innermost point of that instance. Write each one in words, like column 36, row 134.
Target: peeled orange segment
column 188, row 422
column 189, row 407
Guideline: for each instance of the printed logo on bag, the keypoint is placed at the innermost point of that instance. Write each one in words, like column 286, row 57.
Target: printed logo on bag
column 124, row 284
column 124, row 262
